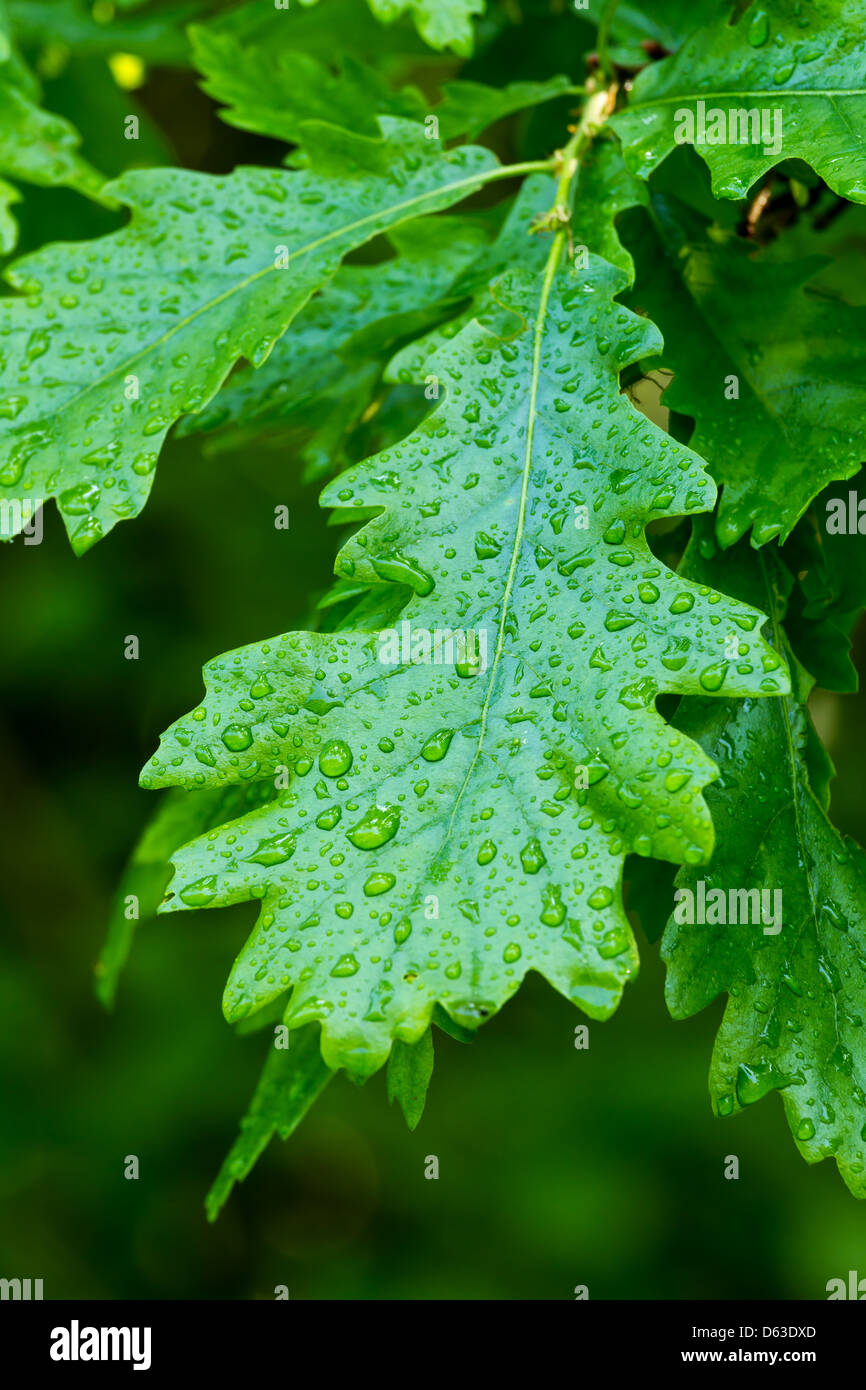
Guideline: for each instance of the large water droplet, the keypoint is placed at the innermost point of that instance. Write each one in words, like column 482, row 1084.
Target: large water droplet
column 346, row 965
column 378, row 883
column 335, row 758
column 200, row 893
column 437, row 745
column 759, row 29
column 376, row 828
column 236, row 737
column 532, row 857
column 713, row 677
column 275, row 850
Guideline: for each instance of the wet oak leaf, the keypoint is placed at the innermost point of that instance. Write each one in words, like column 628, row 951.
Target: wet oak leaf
column 793, row 1021
column 109, row 342
column 445, row 825
column 804, row 61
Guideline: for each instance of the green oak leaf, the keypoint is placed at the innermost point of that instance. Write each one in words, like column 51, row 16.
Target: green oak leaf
column 803, row 61
column 109, row 342
column 445, row 825
column 793, row 1022
column 769, row 370
column 607, row 190
column 517, row 242
column 181, row 815
column 324, row 377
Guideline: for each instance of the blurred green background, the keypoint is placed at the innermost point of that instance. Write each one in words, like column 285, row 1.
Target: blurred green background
column 558, row 1167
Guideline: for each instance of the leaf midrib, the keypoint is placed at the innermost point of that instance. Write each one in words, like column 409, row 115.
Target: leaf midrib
column 517, row 544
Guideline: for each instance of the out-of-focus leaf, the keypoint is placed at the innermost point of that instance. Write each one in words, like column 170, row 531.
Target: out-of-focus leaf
column 271, row 89
column 157, row 35
column 827, row 554
column 37, row 145
column 410, row 1067
column 292, row 1079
